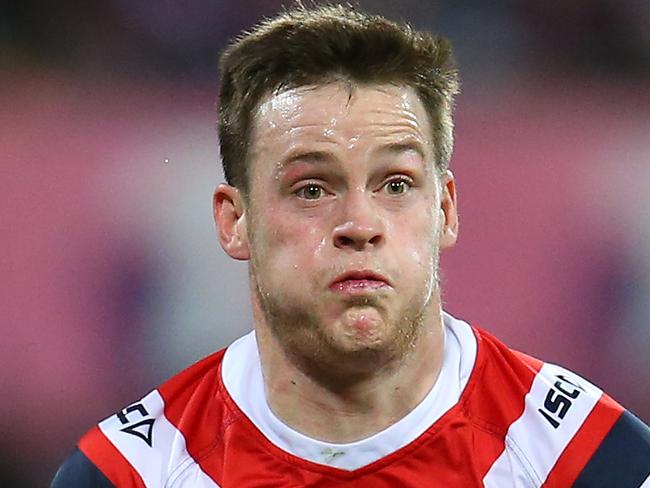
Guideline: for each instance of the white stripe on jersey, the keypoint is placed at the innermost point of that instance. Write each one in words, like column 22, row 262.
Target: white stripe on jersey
column 166, row 463
column 535, row 441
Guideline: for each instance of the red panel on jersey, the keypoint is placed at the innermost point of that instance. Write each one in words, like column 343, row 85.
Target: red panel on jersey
column 96, row 446
column 191, row 406
column 496, row 393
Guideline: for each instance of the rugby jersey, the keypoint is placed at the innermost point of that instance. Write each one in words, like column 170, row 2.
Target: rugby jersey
column 495, row 418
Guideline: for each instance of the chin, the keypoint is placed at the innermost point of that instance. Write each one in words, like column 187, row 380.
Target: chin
column 374, row 338
column 362, row 326
column 342, row 354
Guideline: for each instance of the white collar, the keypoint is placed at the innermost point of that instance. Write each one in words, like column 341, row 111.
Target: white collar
column 242, row 377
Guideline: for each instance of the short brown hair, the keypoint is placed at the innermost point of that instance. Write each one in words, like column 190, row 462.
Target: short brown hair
column 307, row 46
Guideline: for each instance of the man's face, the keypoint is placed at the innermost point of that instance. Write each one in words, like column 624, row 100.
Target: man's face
column 345, row 220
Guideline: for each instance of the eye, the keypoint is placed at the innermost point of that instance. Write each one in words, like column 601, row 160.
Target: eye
column 311, row 192
column 397, row 186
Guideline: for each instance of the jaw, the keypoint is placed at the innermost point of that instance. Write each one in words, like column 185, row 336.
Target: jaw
column 359, row 348
column 340, row 340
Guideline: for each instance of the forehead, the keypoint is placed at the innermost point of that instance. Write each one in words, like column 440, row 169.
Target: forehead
column 341, row 111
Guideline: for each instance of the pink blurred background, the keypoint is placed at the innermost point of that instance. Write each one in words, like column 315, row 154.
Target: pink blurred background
column 112, row 278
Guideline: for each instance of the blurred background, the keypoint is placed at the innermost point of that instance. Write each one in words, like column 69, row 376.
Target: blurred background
column 112, row 278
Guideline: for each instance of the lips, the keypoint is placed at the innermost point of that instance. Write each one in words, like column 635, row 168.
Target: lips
column 359, row 282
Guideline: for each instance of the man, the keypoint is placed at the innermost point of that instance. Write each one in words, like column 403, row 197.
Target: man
column 336, row 135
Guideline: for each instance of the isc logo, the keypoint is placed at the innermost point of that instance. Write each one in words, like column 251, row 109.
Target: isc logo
column 559, row 399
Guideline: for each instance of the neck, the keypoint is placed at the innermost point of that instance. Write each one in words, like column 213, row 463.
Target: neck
column 361, row 408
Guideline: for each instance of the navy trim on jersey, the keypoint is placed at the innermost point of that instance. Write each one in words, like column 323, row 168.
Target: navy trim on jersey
column 79, row 472
column 622, row 459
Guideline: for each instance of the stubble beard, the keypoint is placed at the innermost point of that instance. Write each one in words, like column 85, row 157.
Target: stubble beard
column 303, row 337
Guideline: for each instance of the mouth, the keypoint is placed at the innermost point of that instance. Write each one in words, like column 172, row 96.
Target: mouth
column 359, row 282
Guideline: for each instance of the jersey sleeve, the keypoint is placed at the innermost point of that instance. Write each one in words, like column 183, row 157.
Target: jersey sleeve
column 622, row 459
column 571, row 433
column 77, row 471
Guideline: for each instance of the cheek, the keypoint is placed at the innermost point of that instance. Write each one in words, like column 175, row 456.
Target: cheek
column 289, row 242
column 416, row 233
column 417, row 258
column 289, row 256
column 416, row 251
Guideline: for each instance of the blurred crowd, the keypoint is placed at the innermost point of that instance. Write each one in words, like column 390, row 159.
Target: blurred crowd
column 112, row 278
column 181, row 39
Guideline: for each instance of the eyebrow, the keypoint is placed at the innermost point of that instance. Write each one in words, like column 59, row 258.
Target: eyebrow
column 309, row 157
column 322, row 157
column 402, row 147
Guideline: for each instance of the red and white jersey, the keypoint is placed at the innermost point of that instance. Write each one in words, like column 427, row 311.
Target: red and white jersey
column 495, row 418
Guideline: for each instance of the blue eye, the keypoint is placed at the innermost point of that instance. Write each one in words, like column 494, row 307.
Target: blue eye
column 310, row 192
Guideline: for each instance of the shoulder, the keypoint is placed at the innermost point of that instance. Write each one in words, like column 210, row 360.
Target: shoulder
column 558, row 428
column 146, row 443
column 78, row 471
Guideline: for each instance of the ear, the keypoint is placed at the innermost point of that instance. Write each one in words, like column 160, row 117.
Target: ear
column 230, row 216
column 449, row 211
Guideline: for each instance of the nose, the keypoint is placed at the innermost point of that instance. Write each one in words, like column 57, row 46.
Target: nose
column 361, row 227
